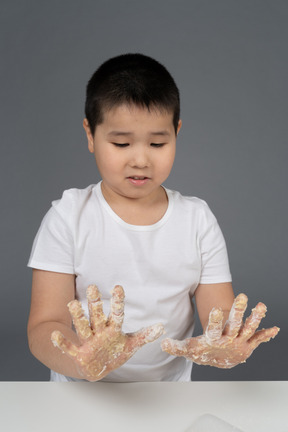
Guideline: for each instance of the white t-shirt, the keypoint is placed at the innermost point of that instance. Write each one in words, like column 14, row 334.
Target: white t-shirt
column 159, row 267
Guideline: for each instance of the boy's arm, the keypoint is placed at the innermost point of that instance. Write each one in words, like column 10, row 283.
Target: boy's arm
column 209, row 296
column 99, row 347
column 51, row 292
column 227, row 340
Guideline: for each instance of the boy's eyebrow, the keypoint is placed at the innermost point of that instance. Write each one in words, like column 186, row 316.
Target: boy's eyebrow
column 161, row 133
column 120, row 133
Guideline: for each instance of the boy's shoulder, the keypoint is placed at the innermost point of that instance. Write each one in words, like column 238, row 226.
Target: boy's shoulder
column 73, row 198
column 192, row 206
column 186, row 200
column 78, row 193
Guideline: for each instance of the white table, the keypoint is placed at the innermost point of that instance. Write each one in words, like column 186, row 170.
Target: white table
column 165, row 407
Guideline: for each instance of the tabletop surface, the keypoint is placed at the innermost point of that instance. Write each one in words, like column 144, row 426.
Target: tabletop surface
column 46, row 406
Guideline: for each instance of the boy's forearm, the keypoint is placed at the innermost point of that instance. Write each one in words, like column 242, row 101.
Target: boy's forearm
column 42, row 348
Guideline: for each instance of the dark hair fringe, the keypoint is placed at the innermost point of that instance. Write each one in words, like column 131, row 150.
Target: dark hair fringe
column 131, row 79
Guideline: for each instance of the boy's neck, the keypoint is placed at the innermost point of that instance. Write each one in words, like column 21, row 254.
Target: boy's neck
column 142, row 211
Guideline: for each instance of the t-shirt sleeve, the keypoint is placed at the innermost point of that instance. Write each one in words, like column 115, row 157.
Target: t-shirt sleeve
column 212, row 245
column 53, row 246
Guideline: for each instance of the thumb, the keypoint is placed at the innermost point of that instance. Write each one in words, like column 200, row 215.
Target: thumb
column 148, row 334
column 174, row 347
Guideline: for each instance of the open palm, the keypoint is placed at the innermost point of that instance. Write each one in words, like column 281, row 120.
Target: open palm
column 103, row 346
column 225, row 348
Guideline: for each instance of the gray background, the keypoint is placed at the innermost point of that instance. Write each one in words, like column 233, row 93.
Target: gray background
column 229, row 59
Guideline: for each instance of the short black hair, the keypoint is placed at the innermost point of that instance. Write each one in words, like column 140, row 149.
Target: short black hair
column 130, row 79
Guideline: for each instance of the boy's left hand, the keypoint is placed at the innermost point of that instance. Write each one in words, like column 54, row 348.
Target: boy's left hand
column 225, row 348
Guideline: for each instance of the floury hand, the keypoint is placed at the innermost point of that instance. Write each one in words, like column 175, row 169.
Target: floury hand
column 103, row 346
column 225, row 348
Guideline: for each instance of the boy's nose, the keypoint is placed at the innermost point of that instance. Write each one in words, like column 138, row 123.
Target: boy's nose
column 140, row 159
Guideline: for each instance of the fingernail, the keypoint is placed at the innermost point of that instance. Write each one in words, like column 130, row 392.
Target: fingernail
column 55, row 338
column 241, row 301
column 278, row 329
column 92, row 292
column 118, row 291
column 216, row 314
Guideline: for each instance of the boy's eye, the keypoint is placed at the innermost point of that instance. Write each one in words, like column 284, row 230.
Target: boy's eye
column 120, row 144
column 157, row 144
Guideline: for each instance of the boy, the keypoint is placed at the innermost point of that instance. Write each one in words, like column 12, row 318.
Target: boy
column 128, row 229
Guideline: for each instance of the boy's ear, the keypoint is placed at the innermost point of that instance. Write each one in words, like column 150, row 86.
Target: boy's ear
column 179, row 126
column 89, row 135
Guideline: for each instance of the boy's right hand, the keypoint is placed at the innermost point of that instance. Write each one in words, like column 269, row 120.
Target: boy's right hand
column 103, row 346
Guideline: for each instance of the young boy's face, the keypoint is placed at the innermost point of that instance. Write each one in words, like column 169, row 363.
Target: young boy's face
column 134, row 150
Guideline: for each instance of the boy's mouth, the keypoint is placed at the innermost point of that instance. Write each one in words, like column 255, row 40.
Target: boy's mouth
column 138, row 177
column 138, row 180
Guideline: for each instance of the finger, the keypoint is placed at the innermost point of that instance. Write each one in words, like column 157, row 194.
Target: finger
column 174, row 347
column 213, row 330
column 116, row 316
column 63, row 344
column 95, row 307
column 235, row 320
column 263, row 336
column 194, row 349
column 146, row 335
column 253, row 321
column 81, row 323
